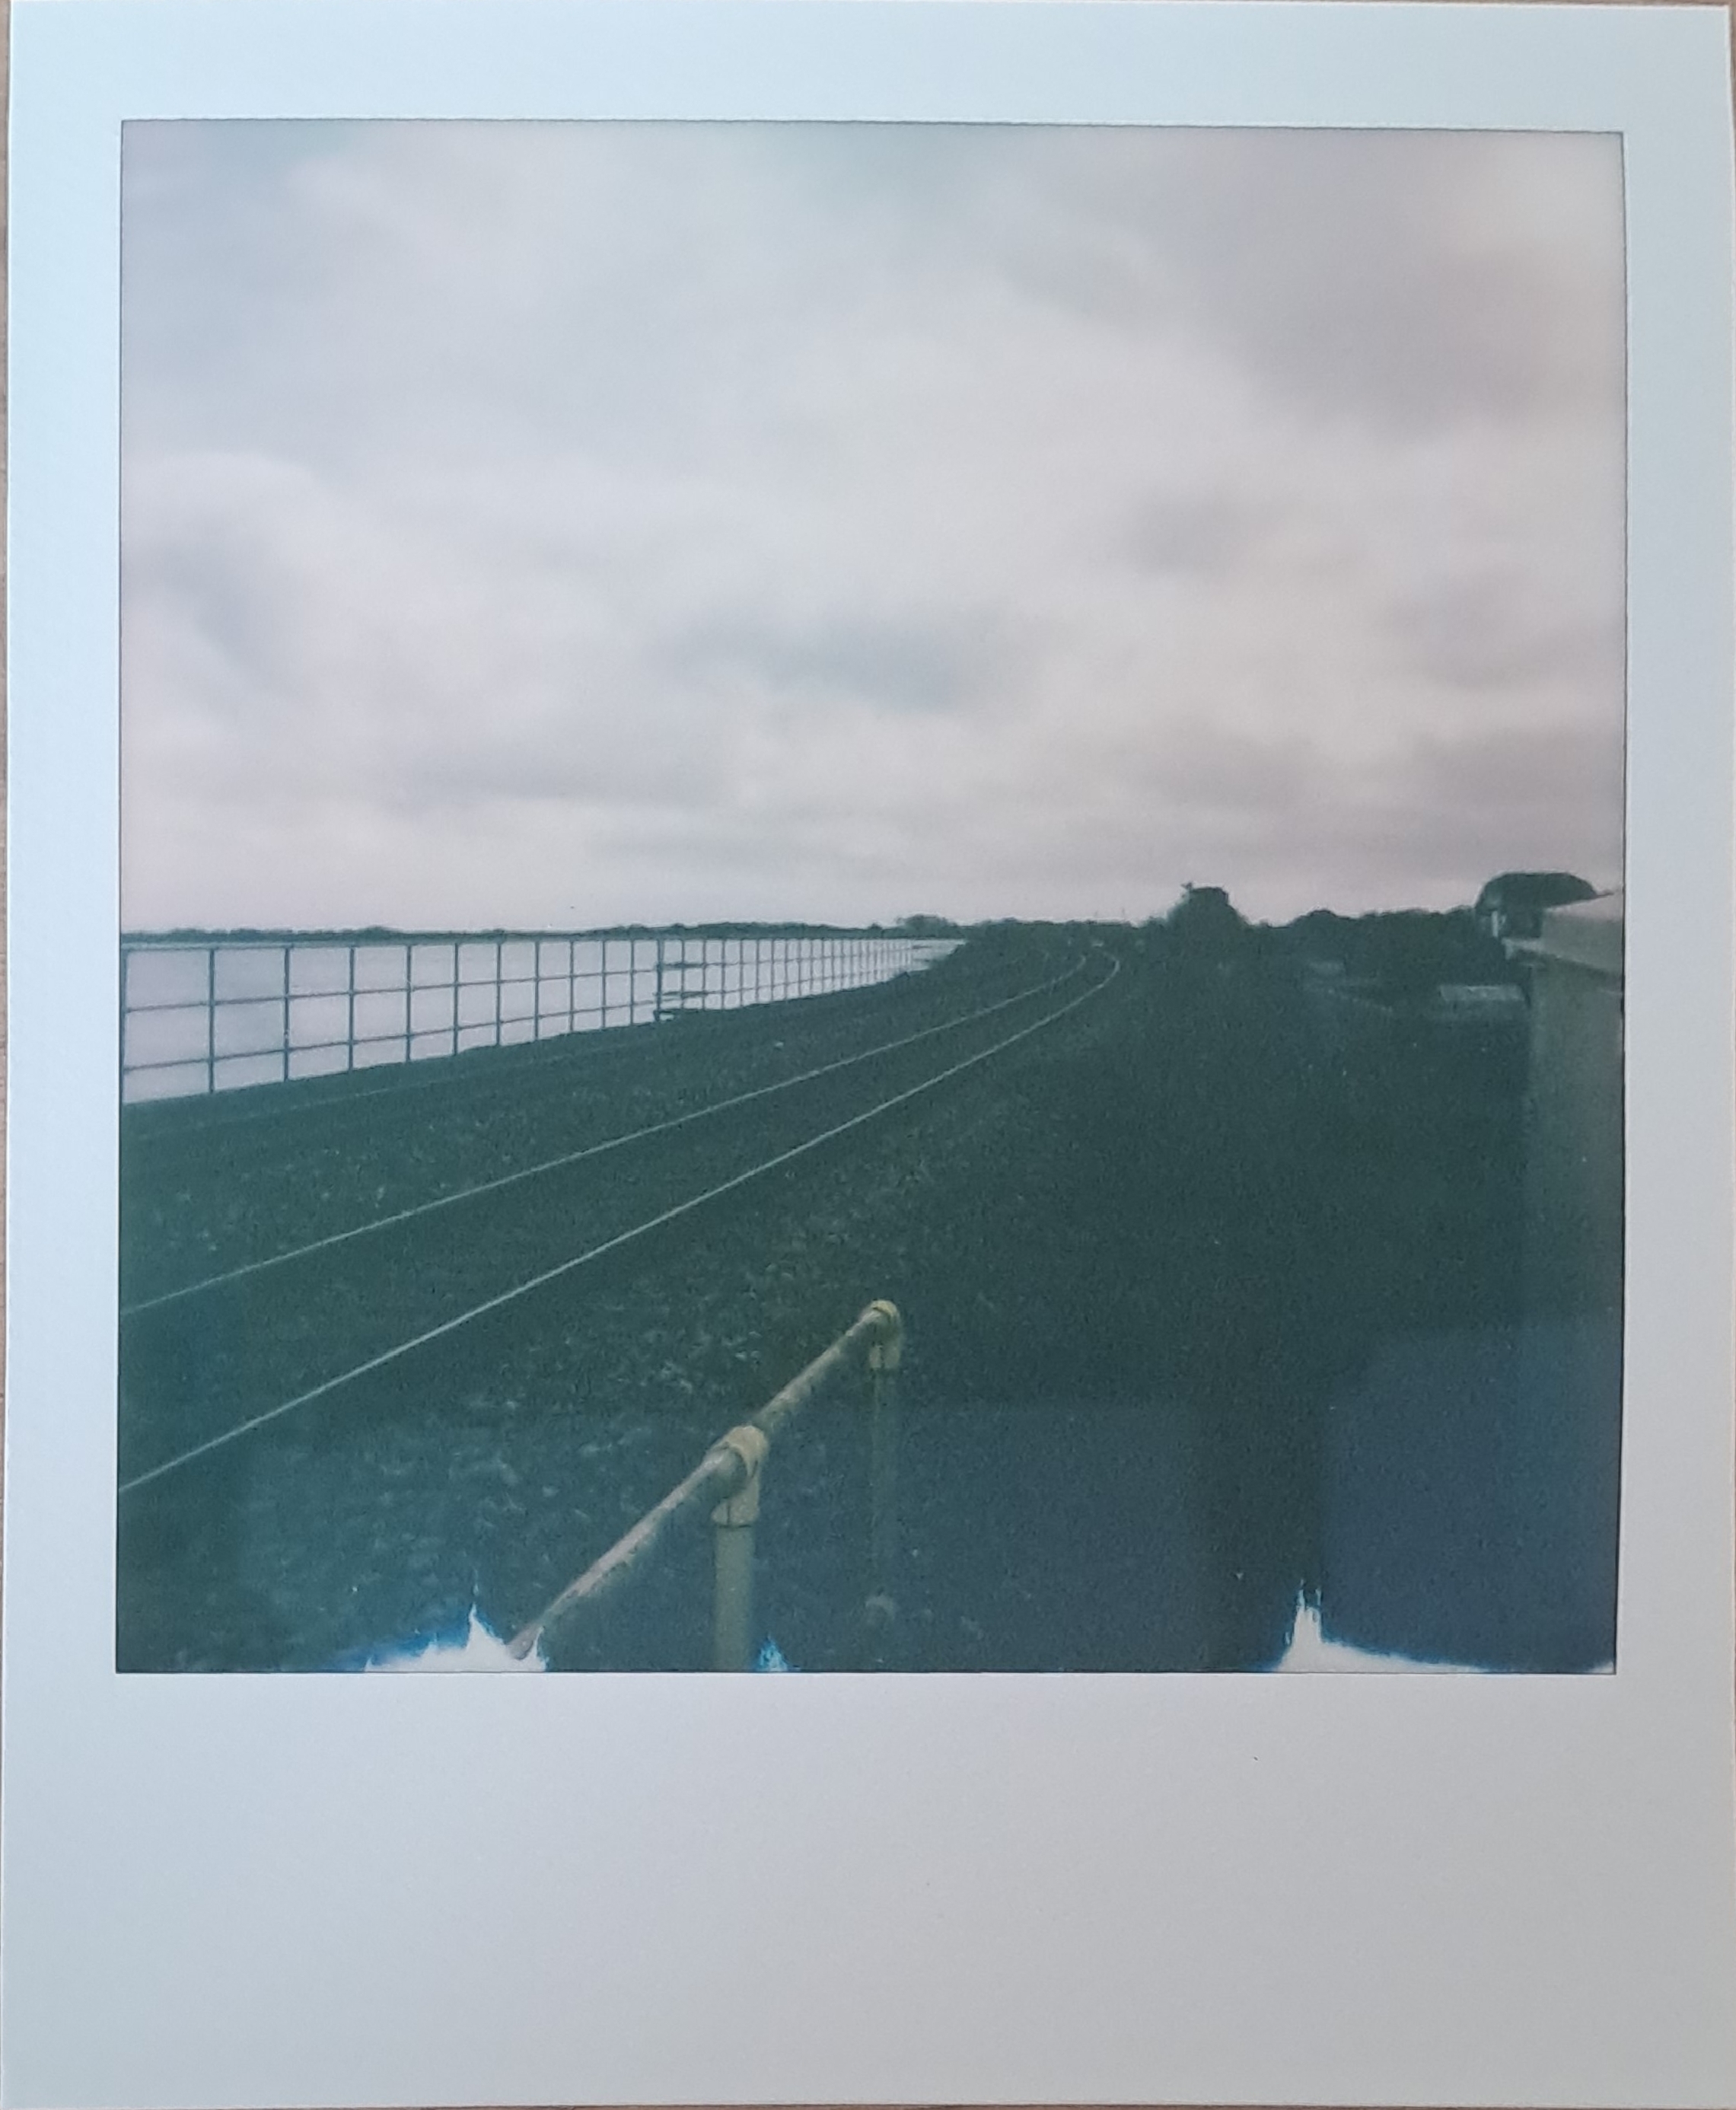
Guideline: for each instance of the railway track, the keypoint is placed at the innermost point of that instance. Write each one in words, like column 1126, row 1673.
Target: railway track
column 606, row 1146
column 198, row 1201
column 219, row 1359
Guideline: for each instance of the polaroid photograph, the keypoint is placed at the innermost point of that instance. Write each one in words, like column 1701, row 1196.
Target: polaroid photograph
column 870, row 867
column 726, row 724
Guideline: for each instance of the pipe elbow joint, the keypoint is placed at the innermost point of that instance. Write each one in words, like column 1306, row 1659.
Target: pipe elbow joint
column 886, row 1350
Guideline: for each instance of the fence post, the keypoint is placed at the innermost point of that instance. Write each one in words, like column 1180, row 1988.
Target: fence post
column 880, row 1612
column 211, row 1018
column 732, row 1539
column 349, row 1015
column 602, row 983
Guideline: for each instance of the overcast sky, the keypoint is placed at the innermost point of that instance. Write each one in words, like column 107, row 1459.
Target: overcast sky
column 554, row 525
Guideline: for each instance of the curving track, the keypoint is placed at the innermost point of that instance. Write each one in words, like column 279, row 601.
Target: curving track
column 543, row 1166
column 210, row 1362
column 291, row 1165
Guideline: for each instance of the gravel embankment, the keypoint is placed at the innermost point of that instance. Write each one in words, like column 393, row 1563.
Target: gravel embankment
column 1132, row 1255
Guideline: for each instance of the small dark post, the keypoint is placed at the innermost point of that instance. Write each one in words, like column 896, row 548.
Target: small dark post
column 285, row 1012
column 349, row 1012
column 211, row 1018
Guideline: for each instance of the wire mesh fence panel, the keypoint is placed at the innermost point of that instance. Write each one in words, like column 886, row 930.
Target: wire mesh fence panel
column 213, row 1011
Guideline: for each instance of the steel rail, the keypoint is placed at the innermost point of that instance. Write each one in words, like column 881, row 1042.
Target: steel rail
column 610, row 1245
column 577, row 1157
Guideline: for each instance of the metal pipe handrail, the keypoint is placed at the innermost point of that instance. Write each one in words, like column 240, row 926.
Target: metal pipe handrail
column 726, row 1480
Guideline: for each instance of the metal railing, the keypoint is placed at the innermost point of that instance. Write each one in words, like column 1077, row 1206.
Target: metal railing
column 726, row 1481
column 206, row 1013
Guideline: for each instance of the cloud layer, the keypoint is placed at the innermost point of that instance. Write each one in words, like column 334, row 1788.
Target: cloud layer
column 552, row 525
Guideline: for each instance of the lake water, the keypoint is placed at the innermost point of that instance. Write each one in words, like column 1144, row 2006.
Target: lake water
column 211, row 1015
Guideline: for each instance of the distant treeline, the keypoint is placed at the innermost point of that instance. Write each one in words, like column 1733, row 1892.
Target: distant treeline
column 1403, row 948
column 1392, row 949
column 385, row 934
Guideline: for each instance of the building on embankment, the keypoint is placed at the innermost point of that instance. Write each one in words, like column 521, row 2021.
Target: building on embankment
column 1514, row 903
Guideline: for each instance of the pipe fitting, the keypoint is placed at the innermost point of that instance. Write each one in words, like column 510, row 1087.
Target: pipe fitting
column 887, row 1348
column 750, row 1446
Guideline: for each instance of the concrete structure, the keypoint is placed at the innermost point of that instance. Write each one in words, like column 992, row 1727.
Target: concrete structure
column 1574, row 1112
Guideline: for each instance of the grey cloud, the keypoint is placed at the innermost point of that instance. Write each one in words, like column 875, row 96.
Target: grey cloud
column 1385, row 277
column 1452, row 813
column 844, row 520
column 916, row 665
column 1193, row 766
column 1291, row 824
column 1186, row 534
column 1497, row 630
column 1560, row 782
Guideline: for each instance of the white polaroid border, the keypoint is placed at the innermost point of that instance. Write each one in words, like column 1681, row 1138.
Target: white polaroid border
column 249, row 1890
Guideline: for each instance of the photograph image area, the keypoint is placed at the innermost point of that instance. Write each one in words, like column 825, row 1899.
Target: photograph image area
column 871, row 909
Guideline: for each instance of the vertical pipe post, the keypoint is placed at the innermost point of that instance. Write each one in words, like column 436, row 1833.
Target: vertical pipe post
column 286, row 1012
column 211, row 1018
column 456, row 950
column 880, row 1612
column 658, row 1009
column 601, row 984
column 409, row 978
column 536, row 946
column 499, row 970
column 732, row 1541
column 350, row 1013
